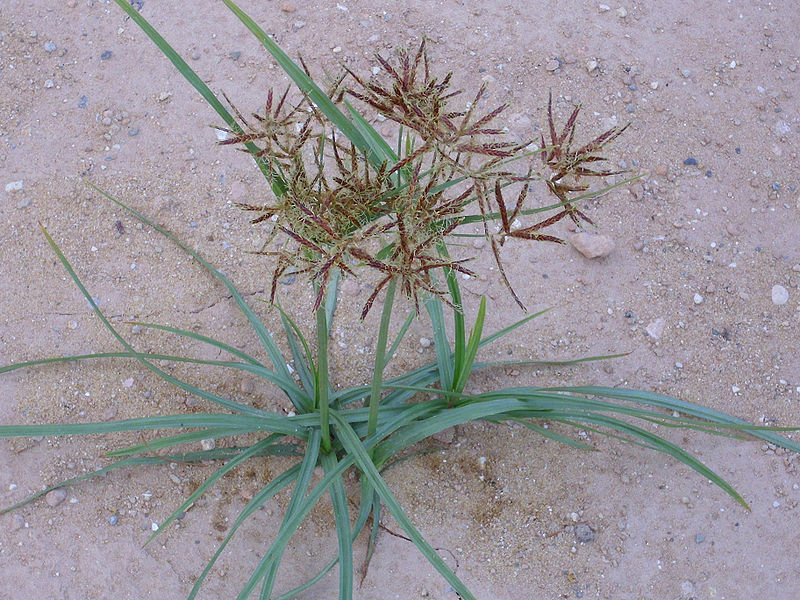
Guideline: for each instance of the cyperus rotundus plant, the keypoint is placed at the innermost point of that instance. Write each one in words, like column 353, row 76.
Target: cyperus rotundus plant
column 344, row 202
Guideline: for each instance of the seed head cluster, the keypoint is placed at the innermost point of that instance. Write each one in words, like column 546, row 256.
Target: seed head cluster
column 336, row 206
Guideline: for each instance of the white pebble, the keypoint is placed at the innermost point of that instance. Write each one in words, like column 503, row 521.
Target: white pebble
column 735, row 389
column 656, row 328
column 780, row 295
column 698, row 299
column 208, row 444
column 425, row 342
column 14, row 186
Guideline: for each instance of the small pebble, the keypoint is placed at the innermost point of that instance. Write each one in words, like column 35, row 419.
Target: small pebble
column 780, row 295
column 690, row 161
column 83, row 102
column 622, row 12
column 49, row 47
column 133, row 132
column 109, row 412
column 592, row 245
column 699, row 538
column 235, row 55
column 591, row 65
column 14, row 186
column 112, row 520
column 698, row 299
column 584, row 533
column 656, row 328
column 552, row 65
column 208, row 444
column 106, row 55
column 55, row 497
column 17, row 522
column 603, row 7
column 288, row 8
column 425, row 342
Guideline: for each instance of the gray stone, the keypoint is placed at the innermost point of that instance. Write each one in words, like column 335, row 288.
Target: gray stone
column 584, row 533
column 55, row 497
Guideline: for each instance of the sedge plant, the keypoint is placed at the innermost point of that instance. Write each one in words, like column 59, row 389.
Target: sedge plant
column 345, row 202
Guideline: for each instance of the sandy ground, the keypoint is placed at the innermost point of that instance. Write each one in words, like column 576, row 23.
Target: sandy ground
column 84, row 95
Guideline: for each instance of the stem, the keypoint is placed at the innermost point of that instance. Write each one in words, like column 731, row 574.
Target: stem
column 380, row 359
column 459, row 327
column 321, row 379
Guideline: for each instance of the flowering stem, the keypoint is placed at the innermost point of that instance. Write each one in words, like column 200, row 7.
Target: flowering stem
column 380, row 358
column 321, row 378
